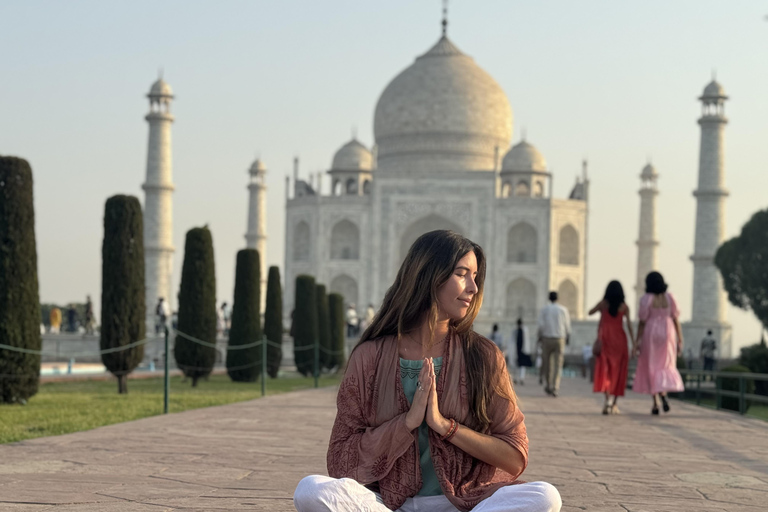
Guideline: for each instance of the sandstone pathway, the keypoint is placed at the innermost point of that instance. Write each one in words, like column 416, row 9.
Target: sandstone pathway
column 249, row 456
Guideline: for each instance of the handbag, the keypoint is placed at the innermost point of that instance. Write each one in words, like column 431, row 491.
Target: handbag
column 597, row 347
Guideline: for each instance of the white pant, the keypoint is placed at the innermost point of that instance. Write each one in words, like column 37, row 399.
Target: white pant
column 318, row 493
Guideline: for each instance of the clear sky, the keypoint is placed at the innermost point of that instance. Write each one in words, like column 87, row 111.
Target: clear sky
column 614, row 82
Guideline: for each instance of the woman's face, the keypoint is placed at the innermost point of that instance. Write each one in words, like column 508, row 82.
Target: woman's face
column 455, row 296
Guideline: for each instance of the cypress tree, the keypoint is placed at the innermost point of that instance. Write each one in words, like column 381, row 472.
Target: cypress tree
column 337, row 325
column 197, row 306
column 19, row 296
column 273, row 321
column 244, row 365
column 122, row 286
column 305, row 324
column 323, row 326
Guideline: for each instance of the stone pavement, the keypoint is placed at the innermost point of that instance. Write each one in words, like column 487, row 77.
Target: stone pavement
column 249, row 456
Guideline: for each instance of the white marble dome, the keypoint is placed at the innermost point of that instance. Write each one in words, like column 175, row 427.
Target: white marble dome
column 443, row 112
column 161, row 88
column 714, row 90
column 524, row 157
column 353, row 156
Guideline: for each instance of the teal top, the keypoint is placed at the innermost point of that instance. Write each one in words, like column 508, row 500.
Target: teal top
column 409, row 376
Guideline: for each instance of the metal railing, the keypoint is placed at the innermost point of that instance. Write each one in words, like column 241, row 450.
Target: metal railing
column 712, row 385
column 263, row 343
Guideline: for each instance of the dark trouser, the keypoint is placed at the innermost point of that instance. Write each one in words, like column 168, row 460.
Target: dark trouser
column 709, row 364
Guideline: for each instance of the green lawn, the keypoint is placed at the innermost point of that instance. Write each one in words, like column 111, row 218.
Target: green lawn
column 64, row 407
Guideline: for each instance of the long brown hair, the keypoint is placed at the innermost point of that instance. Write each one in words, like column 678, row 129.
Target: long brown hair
column 429, row 264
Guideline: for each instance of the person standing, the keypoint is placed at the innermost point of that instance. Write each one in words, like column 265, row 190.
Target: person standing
column 554, row 330
column 660, row 343
column 88, row 316
column 71, row 318
column 370, row 314
column 351, row 321
column 707, row 351
column 523, row 360
column 161, row 315
column 221, row 320
column 55, row 317
column 612, row 359
column 498, row 340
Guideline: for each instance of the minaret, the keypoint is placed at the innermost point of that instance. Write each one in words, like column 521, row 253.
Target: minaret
column 158, row 205
column 647, row 241
column 708, row 294
column 256, row 237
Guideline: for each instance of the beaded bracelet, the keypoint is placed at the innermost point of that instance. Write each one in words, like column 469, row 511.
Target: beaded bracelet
column 451, row 431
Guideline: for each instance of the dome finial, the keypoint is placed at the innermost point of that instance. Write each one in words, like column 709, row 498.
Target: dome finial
column 445, row 17
column 523, row 134
column 354, row 132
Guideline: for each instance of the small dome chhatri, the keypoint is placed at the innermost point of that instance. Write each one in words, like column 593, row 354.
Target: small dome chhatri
column 649, row 172
column 714, row 91
column 257, row 167
column 524, row 157
column 353, row 156
column 160, row 89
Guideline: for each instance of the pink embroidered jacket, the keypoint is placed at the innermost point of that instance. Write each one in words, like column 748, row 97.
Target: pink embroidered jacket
column 371, row 444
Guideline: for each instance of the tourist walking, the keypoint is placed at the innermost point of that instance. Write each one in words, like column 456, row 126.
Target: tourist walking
column 55, row 319
column 707, row 352
column 660, row 342
column 413, row 431
column 522, row 345
column 611, row 350
column 554, row 331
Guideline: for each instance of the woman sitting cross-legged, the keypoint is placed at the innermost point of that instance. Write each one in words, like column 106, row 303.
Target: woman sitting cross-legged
column 426, row 415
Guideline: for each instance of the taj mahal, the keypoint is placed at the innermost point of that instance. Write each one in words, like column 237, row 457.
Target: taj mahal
column 443, row 158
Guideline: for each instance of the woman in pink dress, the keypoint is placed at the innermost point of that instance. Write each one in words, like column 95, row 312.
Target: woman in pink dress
column 660, row 343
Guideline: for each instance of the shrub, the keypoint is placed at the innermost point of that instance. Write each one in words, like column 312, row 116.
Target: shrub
column 244, row 365
column 19, row 296
column 305, row 324
column 755, row 357
column 273, row 321
column 197, row 306
column 337, row 324
column 323, row 326
column 123, row 308
column 732, row 384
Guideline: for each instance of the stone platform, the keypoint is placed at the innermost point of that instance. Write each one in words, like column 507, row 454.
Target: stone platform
column 249, row 456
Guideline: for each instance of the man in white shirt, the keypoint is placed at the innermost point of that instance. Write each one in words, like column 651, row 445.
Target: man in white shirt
column 554, row 331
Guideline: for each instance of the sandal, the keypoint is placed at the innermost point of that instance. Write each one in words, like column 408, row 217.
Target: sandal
column 664, row 404
column 655, row 410
column 607, row 409
column 615, row 409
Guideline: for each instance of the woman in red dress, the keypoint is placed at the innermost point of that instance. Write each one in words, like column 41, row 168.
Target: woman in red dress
column 612, row 357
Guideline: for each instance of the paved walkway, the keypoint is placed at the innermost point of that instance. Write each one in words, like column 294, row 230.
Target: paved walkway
column 249, row 456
